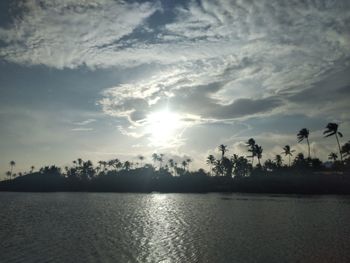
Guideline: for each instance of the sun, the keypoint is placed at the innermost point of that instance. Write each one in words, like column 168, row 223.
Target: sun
column 163, row 127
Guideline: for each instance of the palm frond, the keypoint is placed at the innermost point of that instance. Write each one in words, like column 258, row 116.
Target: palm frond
column 330, row 134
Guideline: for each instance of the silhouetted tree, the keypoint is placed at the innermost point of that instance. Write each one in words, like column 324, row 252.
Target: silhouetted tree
column 141, row 158
column 127, row 165
column 161, row 159
column 269, row 165
column 300, row 161
column 172, row 165
column 241, row 166
column 227, row 166
column 188, row 160
column 223, row 149
column 251, row 148
column 304, row 134
column 8, row 174
column 258, row 150
column 12, row 165
column 333, row 156
column 332, row 129
column 288, row 151
column 278, row 160
column 210, row 162
column 155, row 158
column 184, row 164
column 345, row 149
column 218, row 168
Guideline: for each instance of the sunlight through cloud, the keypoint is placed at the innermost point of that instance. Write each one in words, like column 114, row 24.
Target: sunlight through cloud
column 163, row 127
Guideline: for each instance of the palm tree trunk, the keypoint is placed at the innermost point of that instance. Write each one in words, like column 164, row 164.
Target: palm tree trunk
column 341, row 156
column 253, row 161
column 289, row 160
column 308, row 145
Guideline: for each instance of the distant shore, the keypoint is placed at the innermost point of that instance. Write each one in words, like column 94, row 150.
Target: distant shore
column 147, row 180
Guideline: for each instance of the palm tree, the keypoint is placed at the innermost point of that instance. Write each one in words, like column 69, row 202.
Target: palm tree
column 127, row 165
column 304, row 134
column 101, row 163
column 32, row 168
column 333, row 156
column 184, row 164
column 141, row 158
column 160, row 159
column 278, row 160
column 223, row 149
column 332, row 129
column 258, row 150
column 288, row 151
column 12, row 165
column 171, row 164
column 210, row 162
column 8, row 174
column 251, row 148
column 188, row 160
column 345, row 149
column 154, row 159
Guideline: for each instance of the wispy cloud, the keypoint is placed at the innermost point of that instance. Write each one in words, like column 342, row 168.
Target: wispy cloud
column 82, row 129
column 85, row 122
column 220, row 60
column 67, row 33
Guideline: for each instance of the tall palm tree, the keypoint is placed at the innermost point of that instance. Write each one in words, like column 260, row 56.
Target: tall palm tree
column 12, row 165
column 184, row 164
column 333, row 156
column 32, row 168
column 258, row 150
column 251, row 148
column 288, row 151
column 332, row 129
column 141, row 158
column 188, row 160
column 210, row 162
column 223, row 149
column 304, row 134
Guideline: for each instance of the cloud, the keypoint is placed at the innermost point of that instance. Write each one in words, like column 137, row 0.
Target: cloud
column 82, row 129
column 67, row 33
column 213, row 60
column 83, row 123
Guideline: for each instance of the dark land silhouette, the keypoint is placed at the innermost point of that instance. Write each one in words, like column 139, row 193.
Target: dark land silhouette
column 299, row 175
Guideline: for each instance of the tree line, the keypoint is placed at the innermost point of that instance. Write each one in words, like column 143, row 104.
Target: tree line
column 244, row 165
column 226, row 173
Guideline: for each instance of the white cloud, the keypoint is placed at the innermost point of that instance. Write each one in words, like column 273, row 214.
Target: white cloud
column 85, row 122
column 82, row 129
column 220, row 59
column 66, row 33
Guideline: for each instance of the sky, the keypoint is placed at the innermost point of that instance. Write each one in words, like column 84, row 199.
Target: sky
column 104, row 79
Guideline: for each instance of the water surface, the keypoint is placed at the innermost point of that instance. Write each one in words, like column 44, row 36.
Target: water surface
column 112, row 227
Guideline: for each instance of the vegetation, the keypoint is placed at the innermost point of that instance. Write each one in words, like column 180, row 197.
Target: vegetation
column 227, row 173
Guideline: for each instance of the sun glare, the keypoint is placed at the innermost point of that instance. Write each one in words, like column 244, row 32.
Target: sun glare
column 163, row 127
